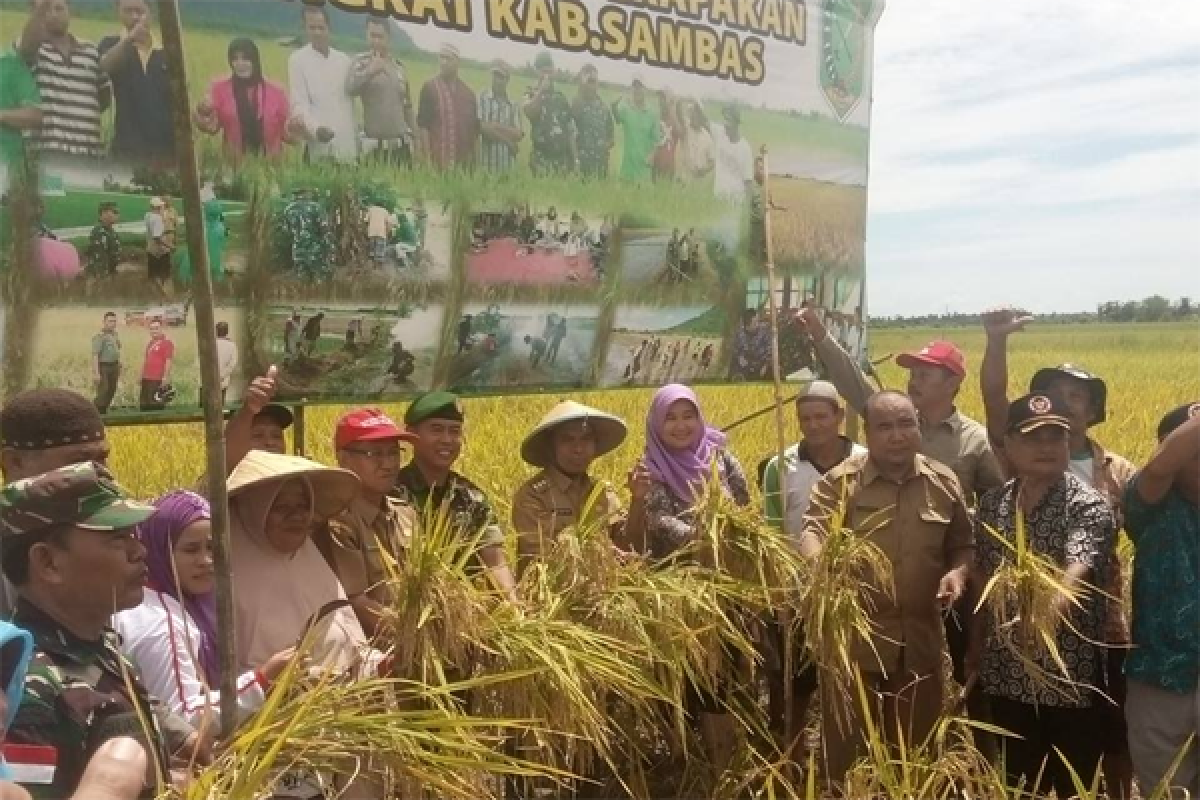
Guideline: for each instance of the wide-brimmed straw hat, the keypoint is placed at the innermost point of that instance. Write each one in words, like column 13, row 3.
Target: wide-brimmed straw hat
column 333, row 488
column 538, row 447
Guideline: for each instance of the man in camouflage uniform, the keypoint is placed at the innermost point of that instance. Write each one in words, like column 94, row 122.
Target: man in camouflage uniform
column 429, row 483
column 68, row 545
column 552, row 126
column 310, row 237
column 595, row 131
column 375, row 527
column 564, row 445
column 104, row 245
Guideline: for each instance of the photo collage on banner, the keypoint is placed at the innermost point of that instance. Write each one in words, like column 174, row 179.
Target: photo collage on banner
column 485, row 198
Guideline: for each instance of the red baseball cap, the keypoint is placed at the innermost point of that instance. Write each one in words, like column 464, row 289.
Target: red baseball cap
column 369, row 425
column 936, row 354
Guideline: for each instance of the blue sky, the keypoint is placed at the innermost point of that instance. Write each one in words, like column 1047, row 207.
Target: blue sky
column 1037, row 153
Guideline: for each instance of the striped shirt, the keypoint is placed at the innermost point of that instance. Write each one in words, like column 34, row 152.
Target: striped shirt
column 74, row 92
column 495, row 154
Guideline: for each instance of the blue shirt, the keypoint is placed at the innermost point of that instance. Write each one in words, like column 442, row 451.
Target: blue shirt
column 1166, row 591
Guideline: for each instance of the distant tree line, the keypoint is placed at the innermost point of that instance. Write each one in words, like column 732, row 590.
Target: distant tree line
column 1152, row 309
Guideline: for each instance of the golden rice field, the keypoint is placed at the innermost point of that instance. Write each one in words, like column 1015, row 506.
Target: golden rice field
column 1149, row 368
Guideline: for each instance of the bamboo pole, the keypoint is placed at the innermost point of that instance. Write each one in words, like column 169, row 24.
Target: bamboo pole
column 206, row 339
column 785, row 621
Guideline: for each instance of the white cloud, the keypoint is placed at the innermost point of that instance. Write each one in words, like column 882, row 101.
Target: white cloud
column 1045, row 154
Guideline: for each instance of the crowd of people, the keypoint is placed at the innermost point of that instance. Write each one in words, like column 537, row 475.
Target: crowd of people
column 342, row 107
column 941, row 495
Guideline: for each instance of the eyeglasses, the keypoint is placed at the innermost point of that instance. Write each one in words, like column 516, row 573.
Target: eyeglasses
column 378, row 453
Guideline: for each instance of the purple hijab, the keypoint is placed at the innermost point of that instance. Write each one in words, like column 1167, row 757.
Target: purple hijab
column 683, row 471
column 159, row 534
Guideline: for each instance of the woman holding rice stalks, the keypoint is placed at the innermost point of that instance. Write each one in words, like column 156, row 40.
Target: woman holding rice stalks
column 682, row 454
column 563, row 495
column 172, row 636
column 912, row 509
column 1044, row 537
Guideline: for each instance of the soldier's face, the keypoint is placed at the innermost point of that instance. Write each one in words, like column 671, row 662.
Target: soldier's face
column 93, row 570
column 19, row 464
column 820, row 421
column 439, row 444
column 1041, row 454
column 290, row 519
column 193, row 558
column 574, row 448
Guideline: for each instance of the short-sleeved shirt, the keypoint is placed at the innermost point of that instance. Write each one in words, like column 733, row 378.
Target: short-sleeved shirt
column 552, row 501
column 78, row 695
column 497, row 155
column 143, row 128
column 104, row 250
column 1166, row 590
column 18, row 89
column 73, row 89
column 158, row 353
column 1072, row 524
column 639, row 127
column 471, row 512
column 961, row 444
column 594, row 133
column 156, row 229
column 923, row 528
column 802, row 474
column 106, row 347
column 356, row 541
column 447, row 111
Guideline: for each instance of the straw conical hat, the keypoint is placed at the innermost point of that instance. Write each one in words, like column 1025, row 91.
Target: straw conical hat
column 538, row 447
column 333, row 488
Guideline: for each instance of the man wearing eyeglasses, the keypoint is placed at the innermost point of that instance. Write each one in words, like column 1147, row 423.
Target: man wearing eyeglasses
column 375, row 527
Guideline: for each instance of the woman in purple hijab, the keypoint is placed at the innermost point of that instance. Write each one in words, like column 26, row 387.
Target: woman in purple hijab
column 680, row 452
column 172, row 635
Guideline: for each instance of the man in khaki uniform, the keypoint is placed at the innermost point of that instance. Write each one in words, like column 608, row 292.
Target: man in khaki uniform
column 376, row 526
column 564, row 444
column 911, row 507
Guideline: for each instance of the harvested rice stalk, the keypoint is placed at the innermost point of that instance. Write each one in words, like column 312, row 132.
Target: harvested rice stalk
column 1025, row 610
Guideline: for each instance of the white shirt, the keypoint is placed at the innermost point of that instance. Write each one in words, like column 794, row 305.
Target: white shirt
column 734, row 166
column 161, row 640
column 697, row 152
column 227, row 361
column 379, row 220
column 319, row 99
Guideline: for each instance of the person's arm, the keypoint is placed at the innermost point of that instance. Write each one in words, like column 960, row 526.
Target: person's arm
column 496, row 561
column 1091, row 539
column 959, row 553
column 360, row 73
column 527, row 516
column 843, row 371
column 427, row 114
column 993, row 372
column 25, row 118
column 827, row 498
column 115, row 49
column 300, row 97
column 1180, row 448
column 735, row 478
column 663, row 526
column 773, row 505
column 239, row 429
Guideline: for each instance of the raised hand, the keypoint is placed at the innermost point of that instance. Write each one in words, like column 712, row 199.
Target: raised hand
column 1005, row 321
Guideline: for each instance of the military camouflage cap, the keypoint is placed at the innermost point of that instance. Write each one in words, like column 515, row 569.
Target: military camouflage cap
column 80, row 496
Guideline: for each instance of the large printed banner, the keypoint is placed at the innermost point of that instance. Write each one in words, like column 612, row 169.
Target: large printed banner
column 490, row 195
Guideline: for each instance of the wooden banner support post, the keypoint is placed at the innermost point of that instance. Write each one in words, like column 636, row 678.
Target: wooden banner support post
column 206, row 339
column 784, row 616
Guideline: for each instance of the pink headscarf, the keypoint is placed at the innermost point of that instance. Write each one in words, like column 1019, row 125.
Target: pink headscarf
column 683, row 471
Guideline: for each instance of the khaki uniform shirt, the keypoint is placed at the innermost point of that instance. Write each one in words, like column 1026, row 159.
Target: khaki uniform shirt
column 923, row 527
column 550, row 502
column 958, row 442
column 355, row 543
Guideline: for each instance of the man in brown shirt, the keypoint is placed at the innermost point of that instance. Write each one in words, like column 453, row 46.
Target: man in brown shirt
column 375, row 527
column 911, row 507
column 564, row 444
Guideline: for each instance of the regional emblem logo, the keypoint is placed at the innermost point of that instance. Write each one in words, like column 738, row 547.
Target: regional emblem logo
column 843, row 57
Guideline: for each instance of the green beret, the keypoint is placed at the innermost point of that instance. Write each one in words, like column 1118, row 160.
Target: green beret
column 80, row 496
column 434, row 405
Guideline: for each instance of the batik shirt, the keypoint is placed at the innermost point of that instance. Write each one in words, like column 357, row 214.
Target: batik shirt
column 671, row 520
column 1072, row 524
column 468, row 506
column 80, row 694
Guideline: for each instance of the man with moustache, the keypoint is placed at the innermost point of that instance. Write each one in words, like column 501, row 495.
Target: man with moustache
column 69, row 546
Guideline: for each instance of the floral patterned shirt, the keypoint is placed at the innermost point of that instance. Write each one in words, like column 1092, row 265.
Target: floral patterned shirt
column 671, row 521
column 1073, row 524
